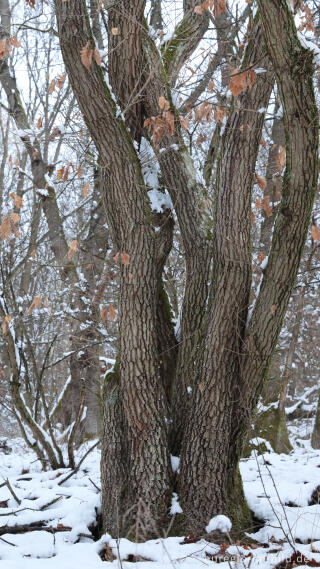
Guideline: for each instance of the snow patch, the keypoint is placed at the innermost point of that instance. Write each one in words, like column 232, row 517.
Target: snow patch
column 220, row 522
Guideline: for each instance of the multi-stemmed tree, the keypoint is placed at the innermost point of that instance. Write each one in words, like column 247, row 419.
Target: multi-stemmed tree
column 191, row 396
column 224, row 352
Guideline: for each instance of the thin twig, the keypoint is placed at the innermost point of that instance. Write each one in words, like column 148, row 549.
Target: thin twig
column 97, row 487
column 7, row 483
column 78, row 466
column 291, row 543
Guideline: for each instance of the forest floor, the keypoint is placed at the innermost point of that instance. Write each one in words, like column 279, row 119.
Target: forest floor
column 280, row 489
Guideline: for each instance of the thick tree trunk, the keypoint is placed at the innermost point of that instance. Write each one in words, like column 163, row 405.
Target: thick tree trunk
column 207, row 479
column 235, row 353
column 179, row 176
column 142, row 393
column 299, row 187
column 234, row 369
column 114, row 452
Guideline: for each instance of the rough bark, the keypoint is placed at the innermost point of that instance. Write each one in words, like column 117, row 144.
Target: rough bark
column 237, row 356
column 179, row 176
column 122, row 74
column 142, row 394
column 185, row 40
column 125, row 64
column 205, row 457
column 294, row 70
column 187, row 195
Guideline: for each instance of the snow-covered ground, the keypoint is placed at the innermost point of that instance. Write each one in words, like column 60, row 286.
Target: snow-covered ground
column 278, row 489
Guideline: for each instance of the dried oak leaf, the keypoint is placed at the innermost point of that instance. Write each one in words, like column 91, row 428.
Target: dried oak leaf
column 164, row 105
column 18, row 200
column 107, row 311
column 5, row 48
column 219, row 113
column 36, row 303
column 73, row 248
column 262, row 182
column 60, row 173
column 125, row 258
column 106, row 553
column 184, row 122
column 220, row 6
column 8, row 226
column 85, row 190
column 14, row 41
column 60, row 80
column 7, row 319
column 52, row 86
column 281, row 157
column 315, row 233
column 241, row 81
column 217, row 6
column 55, row 132
column 86, row 55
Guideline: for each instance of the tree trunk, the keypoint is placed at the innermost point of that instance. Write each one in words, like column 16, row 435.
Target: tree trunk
column 142, row 394
column 235, row 350
column 237, row 356
column 207, row 478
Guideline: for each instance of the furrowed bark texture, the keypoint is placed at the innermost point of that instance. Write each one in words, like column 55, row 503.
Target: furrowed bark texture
column 188, row 196
column 185, row 40
column 235, row 354
column 207, row 481
column 125, row 65
column 113, row 452
column 293, row 66
column 127, row 208
column 179, row 177
column 294, row 71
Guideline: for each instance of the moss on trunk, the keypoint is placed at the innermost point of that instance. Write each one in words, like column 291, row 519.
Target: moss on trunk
column 237, row 507
column 271, row 425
